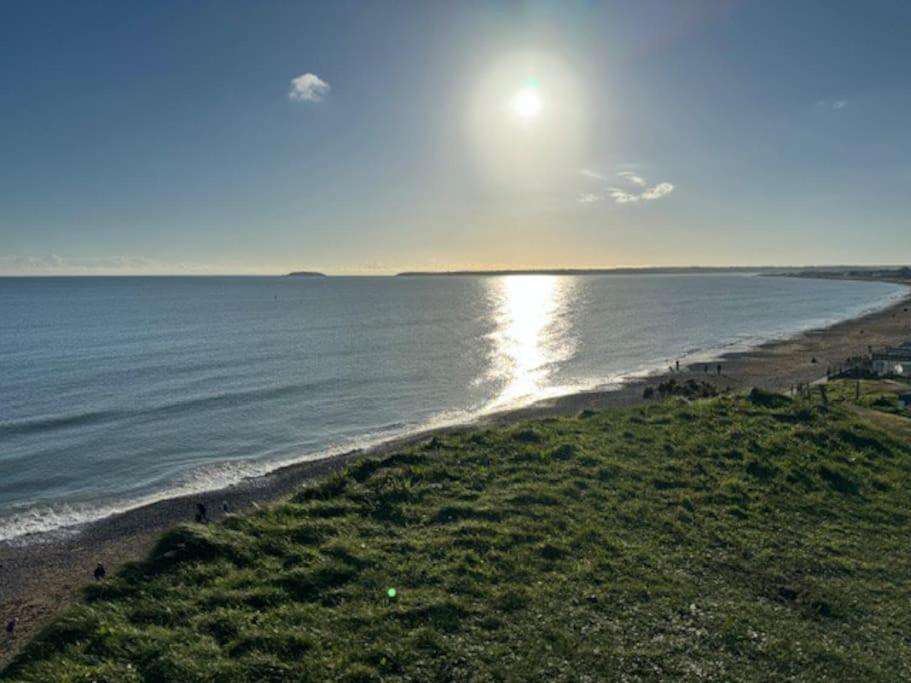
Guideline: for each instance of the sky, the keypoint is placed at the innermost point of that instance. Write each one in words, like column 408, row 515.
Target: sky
column 374, row 137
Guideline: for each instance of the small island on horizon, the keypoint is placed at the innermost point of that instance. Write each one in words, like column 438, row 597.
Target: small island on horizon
column 305, row 273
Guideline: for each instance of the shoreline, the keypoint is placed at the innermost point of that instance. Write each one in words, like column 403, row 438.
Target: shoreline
column 39, row 579
column 369, row 443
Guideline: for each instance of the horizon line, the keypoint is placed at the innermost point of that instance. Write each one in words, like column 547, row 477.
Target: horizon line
column 472, row 271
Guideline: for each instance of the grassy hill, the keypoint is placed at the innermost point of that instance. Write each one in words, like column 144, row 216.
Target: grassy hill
column 724, row 539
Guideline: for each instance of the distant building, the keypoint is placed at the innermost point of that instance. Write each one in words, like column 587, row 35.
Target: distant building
column 894, row 361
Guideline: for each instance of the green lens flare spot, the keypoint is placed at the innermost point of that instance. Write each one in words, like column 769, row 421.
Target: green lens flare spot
column 391, row 593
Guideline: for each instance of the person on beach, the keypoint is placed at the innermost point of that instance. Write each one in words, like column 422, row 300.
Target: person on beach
column 719, row 369
column 706, row 368
column 202, row 516
column 10, row 627
column 100, row 572
column 677, row 365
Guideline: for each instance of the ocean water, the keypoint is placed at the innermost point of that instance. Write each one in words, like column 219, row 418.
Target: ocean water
column 119, row 391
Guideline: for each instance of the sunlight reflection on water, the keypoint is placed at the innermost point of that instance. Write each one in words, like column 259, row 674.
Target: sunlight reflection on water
column 532, row 335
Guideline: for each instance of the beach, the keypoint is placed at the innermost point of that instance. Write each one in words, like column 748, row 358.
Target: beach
column 39, row 579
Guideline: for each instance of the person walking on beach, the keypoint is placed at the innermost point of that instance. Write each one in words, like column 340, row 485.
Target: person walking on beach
column 706, row 368
column 719, row 369
column 677, row 365
column 100, row 572
column 10, row 627
column 202, row 516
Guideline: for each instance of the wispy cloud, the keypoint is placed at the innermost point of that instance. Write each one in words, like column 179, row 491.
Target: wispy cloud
column 832, row 104
column 308, row 88
column 637, row 189
column 52, row 264
column 658, row 191
column 622, row 196
column 632, row 177
column 594, row 175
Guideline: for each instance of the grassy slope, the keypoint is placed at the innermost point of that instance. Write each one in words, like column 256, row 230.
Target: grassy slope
column 722, row 539
column 879, row 394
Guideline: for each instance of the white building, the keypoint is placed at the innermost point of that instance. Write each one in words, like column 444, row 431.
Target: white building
column 894, row 361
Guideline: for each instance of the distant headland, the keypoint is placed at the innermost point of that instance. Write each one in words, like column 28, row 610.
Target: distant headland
column 901, row 274
column 593, row 271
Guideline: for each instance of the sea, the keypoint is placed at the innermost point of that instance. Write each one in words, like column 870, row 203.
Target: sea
column 119, row 391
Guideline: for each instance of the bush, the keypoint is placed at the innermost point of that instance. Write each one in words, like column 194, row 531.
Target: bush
column 768, row 399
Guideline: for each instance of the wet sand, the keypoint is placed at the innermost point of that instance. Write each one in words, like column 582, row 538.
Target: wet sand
column 40, row 579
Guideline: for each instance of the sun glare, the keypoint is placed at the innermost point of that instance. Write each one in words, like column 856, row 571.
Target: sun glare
column 526, row 121
column 527, row 103
column 532, row 334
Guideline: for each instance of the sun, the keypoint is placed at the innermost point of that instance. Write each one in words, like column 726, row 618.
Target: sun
column 526, row 119
column 526, row 103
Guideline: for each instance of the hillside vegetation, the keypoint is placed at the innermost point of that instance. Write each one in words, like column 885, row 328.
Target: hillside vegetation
column 733, row 538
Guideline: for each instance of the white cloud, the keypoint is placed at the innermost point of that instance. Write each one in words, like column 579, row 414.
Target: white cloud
column 622, row 196
column 660, row 190
column 657, row 192
column 637, row 189
column 594, row 175
column 632, row 177
column 308, row 88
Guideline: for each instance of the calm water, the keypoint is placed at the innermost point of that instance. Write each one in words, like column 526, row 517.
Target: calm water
column 116, row 391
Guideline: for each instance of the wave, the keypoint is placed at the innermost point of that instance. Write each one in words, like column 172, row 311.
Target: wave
column 211, row 401
column 51, row 423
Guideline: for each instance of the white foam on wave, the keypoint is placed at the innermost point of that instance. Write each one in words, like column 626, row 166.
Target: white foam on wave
column 44, row 523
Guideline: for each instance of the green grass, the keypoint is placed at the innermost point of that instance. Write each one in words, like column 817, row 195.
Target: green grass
column 734, row 538
column 879, row 394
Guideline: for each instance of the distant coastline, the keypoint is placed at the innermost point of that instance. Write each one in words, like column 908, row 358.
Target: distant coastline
column 875, row 272
column 899, row 275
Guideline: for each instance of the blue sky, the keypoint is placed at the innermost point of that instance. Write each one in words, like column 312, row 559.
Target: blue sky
column 166, row 136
